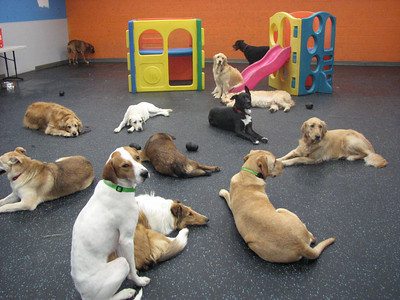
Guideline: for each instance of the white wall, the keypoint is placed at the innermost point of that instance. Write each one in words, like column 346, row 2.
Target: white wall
column 46, row 42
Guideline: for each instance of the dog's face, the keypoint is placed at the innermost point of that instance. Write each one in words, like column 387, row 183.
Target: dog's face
column 263, row 162
column 185, row 215
column 13, row 162
column 238, row 45
column 124, row 165
column 242, row 100
column 220, row 59
column 89, row 48
column 72, row 125
column 314, row 129
column 137, row 121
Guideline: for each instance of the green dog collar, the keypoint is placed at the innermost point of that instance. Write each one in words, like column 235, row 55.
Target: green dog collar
column 259, row 175
column 119, row 188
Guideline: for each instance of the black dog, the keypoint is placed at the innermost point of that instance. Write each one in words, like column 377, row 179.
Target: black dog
column 252, row 53
column 236, row 118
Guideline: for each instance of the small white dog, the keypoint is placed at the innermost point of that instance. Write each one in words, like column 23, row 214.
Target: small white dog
column 137, row 115
column 226, row 77
column 273, row 100
column 107, row 223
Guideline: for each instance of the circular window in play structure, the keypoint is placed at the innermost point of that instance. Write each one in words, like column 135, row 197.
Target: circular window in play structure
column 311, row 44
column 151, row 43
column 317, row 24
column 309, row 85
column 180, row 57
column 274, row 32
column 314, row 63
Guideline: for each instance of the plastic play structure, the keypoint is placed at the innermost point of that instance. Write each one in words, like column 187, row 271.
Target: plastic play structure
column 311, row 37
column 165, row 55
column 275, row 58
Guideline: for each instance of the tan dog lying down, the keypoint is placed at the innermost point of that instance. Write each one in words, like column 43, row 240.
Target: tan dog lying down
column 159, row 217
column 161, row 151
column 276, row 235
column 53, row 119
column 273, row 100
column 35, row 182
column 318, row 144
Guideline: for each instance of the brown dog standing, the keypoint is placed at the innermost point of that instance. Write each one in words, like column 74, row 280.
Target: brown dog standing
column 161, row 151
column 276, row 235
column 76, row 47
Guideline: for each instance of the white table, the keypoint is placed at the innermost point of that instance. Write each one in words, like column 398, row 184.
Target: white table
column 4, row 50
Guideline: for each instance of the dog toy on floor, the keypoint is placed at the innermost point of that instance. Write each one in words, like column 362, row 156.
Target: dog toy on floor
column 191, row 147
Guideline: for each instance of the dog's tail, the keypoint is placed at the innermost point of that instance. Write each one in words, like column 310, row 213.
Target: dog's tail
column 314, row 253
column 375, row 160
column 176, row 245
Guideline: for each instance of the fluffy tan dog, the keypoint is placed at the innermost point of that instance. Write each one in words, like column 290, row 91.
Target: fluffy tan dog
column 35, row 182
column 53, row 119
column 226, row 77
column 272, row 100
column 318, row 144
column 276, row 235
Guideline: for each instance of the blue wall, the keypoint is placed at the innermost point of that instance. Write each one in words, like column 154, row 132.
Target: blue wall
column 29, row 10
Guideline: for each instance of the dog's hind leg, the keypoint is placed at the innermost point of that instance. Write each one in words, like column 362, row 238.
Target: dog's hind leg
column 173, row 246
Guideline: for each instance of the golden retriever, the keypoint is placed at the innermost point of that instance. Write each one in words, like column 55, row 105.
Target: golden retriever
column 276, row 235
column 318, row 144
column 35, row 182
column 226, row 77
column 53, row 119
column 272, row 100
column 76, row 47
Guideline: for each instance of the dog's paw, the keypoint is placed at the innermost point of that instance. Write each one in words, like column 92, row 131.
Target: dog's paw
column 264, row 140
column 131, row 130
column 116, row 130
column 141, row 281
column 217, row 169
column 272, row 110
column 126, row 293
column 287, row 109
column 256, row 142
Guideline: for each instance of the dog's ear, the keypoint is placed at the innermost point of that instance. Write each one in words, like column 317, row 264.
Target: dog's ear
column 171, row 136
column 304, row 128
column 20, row 150
column 109, row 172
column 247, row 90
column 262, row 163
column 80, row 126
column 176, row 210
column 14, row 160
column 248, row 155
column 324, row 128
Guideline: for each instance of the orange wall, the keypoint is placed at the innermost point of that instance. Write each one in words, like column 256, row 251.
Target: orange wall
column 366, row 30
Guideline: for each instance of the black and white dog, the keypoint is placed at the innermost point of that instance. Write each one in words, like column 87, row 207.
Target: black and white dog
column 252, row 53
column 236, row 118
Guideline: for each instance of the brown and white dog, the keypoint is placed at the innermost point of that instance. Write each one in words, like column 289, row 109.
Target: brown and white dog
column 226, row 77
column 317, row 144
column 276, row 235
column 272, row 100
column 161, row 151
column 35, row 182
column 76, row 47
column 107, row 223
column 53, row 119
column 159, row 217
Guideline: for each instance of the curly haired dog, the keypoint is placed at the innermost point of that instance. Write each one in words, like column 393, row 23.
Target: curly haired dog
column 317, row 144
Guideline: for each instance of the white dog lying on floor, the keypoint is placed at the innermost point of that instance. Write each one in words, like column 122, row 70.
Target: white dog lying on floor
column 273, row 100
column 107, row 223
column 137, row 115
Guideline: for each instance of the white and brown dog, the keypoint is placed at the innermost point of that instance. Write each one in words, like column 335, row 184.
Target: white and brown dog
column 276, row 235
column 53, row 119
column 226, row 77
column 35, row 182
column 272, row 100
column 107, row 223
column 317, row 144
column 136, row 115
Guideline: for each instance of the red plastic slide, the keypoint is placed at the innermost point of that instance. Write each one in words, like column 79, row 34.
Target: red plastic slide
column 270, row 63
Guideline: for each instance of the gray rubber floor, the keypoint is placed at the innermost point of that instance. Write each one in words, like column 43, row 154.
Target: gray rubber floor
column 357, row 204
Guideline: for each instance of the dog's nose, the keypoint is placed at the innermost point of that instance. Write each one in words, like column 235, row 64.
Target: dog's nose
column 317, row 137
column 75, row 134
column 207, row 219
column 144, row 174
